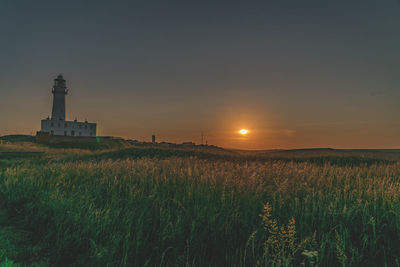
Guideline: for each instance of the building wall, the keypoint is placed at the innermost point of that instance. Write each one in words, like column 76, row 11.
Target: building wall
column 58, row 112
column 68, row 128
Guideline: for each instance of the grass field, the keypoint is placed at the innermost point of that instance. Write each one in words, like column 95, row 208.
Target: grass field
column 154, row 206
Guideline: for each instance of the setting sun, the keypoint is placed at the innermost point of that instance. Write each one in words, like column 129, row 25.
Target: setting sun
column 243, row 132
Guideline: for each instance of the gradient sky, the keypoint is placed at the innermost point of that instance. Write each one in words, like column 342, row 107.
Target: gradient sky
column 295, row 73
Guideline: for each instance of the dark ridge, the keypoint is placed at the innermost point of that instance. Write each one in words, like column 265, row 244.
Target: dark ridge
column 101, row 145
column 135, row 153
column 18, row 138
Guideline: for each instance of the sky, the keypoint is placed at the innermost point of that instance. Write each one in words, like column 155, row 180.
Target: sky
column 296, row 74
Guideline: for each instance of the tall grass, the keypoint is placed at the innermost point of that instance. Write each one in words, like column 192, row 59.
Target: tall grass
column 200, row 212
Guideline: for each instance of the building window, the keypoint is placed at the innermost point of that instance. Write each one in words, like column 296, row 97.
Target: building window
column 65, row 133
column 52, row 132
column 80, row 126
column 65, row 126
column 85, row 126
column 72, row 133
column 52, row 124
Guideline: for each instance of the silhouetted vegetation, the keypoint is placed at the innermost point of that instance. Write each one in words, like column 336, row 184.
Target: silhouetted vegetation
column 18, row 138
column 153, row 205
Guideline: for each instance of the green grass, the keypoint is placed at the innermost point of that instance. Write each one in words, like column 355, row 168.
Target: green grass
column 139, row 206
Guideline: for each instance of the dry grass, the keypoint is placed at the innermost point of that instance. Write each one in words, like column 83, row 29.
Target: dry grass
column 191, row 211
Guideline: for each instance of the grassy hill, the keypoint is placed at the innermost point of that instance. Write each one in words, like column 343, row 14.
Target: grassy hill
column 18, row 138
column 138, row 205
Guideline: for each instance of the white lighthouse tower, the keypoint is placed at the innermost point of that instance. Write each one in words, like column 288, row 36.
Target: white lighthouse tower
column 59, row 91
column 57, row 124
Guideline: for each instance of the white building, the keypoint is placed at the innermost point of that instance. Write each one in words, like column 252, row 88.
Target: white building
column 57, row 125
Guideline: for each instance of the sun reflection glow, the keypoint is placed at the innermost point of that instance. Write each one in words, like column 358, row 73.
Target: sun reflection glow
column 243, row 132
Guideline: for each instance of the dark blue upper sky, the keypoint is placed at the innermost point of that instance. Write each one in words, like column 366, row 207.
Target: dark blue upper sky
column 296, row 73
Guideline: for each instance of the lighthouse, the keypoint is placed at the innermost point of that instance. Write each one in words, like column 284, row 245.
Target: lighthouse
column 58, row 125
column 59, row 92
